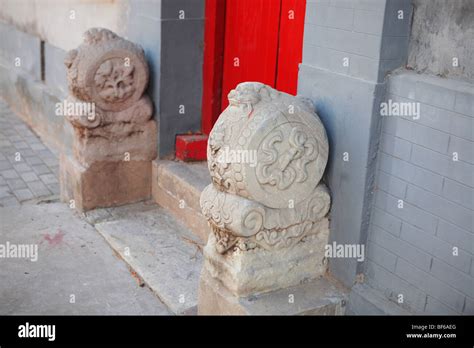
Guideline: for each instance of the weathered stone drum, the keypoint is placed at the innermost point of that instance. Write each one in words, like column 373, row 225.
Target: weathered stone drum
column 107, row 70
column 113, row 147
column 266, row 205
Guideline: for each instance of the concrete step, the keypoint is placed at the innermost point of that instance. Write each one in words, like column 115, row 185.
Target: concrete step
column 159, row 249
column 177, row 187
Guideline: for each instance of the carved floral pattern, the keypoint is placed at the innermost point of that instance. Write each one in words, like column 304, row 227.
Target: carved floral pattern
column 114, row 80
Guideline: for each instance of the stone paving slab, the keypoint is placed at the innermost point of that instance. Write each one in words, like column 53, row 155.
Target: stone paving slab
column 164, row 253
column 28, row 169
column 73, row 259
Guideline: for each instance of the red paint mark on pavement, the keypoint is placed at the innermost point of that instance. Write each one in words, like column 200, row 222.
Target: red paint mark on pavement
column 56, row 239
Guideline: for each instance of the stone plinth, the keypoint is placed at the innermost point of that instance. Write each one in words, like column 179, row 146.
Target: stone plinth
column 114, row 132
column 322, row 296
column 266, row 206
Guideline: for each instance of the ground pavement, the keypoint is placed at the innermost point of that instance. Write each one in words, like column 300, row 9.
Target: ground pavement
column 66, row 267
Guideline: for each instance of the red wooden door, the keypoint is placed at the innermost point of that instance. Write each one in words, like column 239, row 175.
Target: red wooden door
column 245, row 40
column 251, row 43
column 290, row 44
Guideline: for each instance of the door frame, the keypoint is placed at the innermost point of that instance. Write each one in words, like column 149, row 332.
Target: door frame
column 193, row 147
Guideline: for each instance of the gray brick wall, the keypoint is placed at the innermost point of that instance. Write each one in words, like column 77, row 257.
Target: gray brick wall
column 410, row 249
column 367, row 34
column 348, row 47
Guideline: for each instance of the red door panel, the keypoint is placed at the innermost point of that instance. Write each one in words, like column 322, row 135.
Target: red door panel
column 290, row 47
column 251, row 43
column 213, row 58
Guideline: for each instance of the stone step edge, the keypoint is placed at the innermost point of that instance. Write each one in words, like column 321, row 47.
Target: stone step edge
column 179, row 193
column 140, row 277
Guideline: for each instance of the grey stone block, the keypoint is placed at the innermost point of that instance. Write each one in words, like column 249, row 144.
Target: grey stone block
column 22, row 167
column 5, row 165
column 23, row 194
column 9, row 174
column 376, row 5
column 317, row 14
column 32, row 161
column 16, row 184
column 431, row 285
column 455, row 278
column 411, row 173
column 464, row 148
column 326, row 58
column 381, row 256
column 401, row 248
column 38, row 189
column 342, row 3
column 444, row 165
column 416, row 133
column 391, row 285
column 459, row 193
column 435, row 94
column 315, row 35
column 403, row 85
column 469, row 307
column 51, row 161
column 409, row 212
column 162, row 252
column 465, row 102
column 435, row 307
column 312, row 11
column 363, row 67
column 38, row 147
column 351, row 42
column 5, row 191
column 395, row 146
column 20, row 145
column 368, row 21
column 446, row 121
column 436, row 247
column 29, row 177
column 365, row 300
column 54, row 188
column 41, row 169
column 391, row 184
column 386, row 221
column 48, row 179
column 456, row 236
column 340, row 18
column 441, row 207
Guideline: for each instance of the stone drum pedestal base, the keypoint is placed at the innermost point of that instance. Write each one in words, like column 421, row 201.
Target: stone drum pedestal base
column 104, row 184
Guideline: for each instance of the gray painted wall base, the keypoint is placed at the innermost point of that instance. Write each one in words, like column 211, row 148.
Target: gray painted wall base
column 35, row 103
column 348, row 108
column 364, row 300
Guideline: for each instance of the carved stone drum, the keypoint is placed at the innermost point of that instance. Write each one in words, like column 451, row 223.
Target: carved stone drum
column 266, row 205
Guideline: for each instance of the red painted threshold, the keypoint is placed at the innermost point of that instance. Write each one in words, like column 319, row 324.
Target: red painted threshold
column 191, row 147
